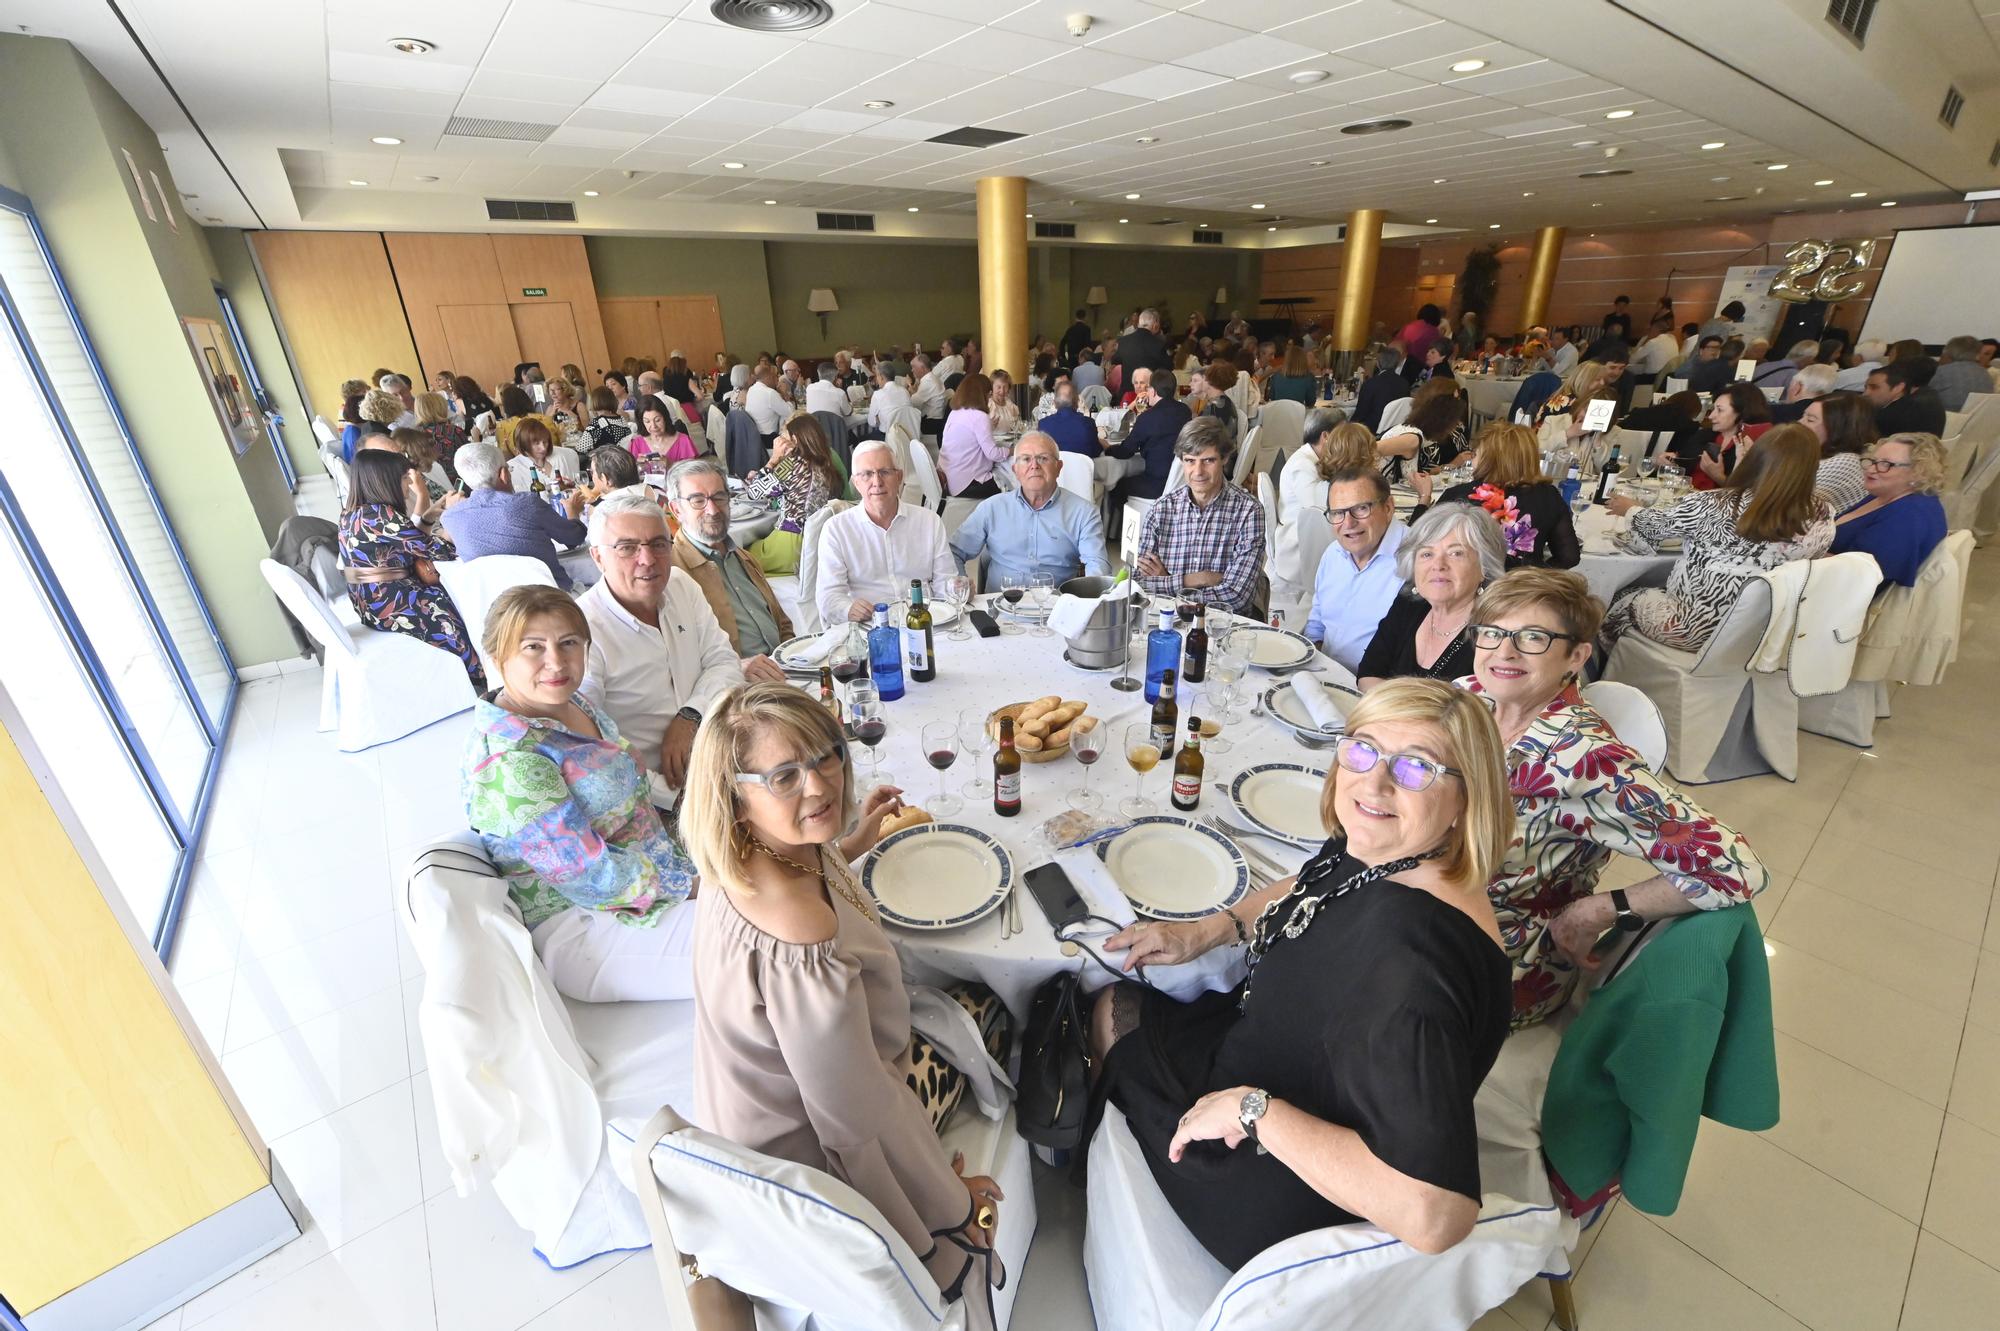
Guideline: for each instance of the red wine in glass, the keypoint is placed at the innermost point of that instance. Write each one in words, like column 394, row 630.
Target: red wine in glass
column 1086, row 756
column 941, row 759
column 870, row 731
column 1013, row 595
column 846, row 670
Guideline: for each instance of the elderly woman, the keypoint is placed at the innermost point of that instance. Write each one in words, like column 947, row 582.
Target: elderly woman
column 1560, row 417
column 381, row 409
column 1580, row 797
column 1450, row 553
column 1001, row 412
column 802, row 471
column 1737, row 417
column 563, row 809
column 1764, row 515
column 1375, row 1004
column 534, row 455
column 1332, row 444
column 966, row 450
column 802, row 1039
column 566, row 406
column 1902, row 520
column 1844, row 423
column 390, row 562
column 1507, row 481
column 607, row 424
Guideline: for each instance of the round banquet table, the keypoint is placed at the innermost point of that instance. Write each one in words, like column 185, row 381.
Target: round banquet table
column 991, row 672
column 1608, row 569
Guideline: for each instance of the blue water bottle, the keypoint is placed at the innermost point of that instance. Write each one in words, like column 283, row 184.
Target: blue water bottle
column 885, row 656
column 1163, row 653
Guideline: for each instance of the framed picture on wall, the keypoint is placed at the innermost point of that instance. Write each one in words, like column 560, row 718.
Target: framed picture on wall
column 215, row 359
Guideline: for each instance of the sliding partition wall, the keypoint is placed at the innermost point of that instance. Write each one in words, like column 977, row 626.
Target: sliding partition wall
column 112, row 663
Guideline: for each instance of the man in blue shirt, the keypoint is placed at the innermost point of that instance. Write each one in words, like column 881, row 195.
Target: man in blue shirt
column 497, row 521
column 1040, row 528
column 1073, row 431
column 1357, row 579
column 1151, row 440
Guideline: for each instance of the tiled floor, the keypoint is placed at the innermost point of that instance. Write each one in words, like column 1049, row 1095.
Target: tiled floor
column 1875, row 1204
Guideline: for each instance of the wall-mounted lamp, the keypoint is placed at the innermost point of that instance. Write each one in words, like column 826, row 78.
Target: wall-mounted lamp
column 822, row 303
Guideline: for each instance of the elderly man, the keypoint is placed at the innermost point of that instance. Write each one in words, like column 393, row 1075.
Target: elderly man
column 766, row 403
column 1039, row 528
column 1073, row 431
column 928, row 395
column 890, row 397
column 949, row 362
column 1357, row 578
column 1207, row 535
column 1868, row 353
column 1779, row 373
column 398, row 386
column 734, row 586
column 1088, row 373
column 1657, row 352
column 1143, row 347
column 1379, row 389
column 494, row 520
column 1959, row 373
column 871, row 553
column 658, row 659
column 651, row 384
column 1813, row 381
column 791, row 382
column 824, row 393
column 1140, row 465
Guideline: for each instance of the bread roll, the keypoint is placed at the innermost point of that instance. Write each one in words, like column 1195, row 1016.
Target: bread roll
column 1082, row 724
column 1037, row 727
column 1028, row 743
column 1058, row 738
column 907, row 816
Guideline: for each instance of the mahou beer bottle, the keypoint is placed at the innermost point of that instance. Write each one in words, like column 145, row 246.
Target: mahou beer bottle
column 1006, row 772
column 1188, row 768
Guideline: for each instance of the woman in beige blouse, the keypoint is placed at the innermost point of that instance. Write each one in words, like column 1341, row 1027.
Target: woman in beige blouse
column 802, row 1025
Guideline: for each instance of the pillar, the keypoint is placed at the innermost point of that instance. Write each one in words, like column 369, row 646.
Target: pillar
column 1003, row 274
column 1542, row 276
column 1357, row 279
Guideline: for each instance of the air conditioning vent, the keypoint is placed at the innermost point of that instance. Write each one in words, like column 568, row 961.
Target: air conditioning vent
column 846, row 221
column 1852, row 17
column 529, row 210
column 1954, row 102
column 478, row 127
column 972, row 136
column 1055, row 231
column 1202, row 237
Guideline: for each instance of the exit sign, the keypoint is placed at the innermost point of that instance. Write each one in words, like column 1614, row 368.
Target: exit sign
column 534, row 291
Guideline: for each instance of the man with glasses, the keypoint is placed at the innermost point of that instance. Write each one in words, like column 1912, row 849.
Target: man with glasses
column 870, row 554
column 1357, row 578
column 1038, row 529
column 734, row 586
column 658, row 659
column 494, row 520
column 1207, row 536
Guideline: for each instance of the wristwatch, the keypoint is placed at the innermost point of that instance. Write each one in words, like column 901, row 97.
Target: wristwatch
column 689, row 714
column 1629, row 920
column 1255, row 1102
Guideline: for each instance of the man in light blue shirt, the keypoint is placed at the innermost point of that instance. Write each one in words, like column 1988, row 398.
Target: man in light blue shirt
column 1357, row 579
column 1039, row 528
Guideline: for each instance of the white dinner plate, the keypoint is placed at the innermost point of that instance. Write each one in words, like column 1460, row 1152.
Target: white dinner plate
column 1285, row 707
column 1276, row 649
column 1173, row 869
column 1282, row 799
column 937, row 876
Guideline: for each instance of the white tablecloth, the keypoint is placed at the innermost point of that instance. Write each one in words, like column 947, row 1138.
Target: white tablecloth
column 1608, row 569
column 990, row 672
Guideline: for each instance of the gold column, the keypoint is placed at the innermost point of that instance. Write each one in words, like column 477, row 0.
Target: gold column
column 1357, row 279
column 1003, row 274
column 1542, row 275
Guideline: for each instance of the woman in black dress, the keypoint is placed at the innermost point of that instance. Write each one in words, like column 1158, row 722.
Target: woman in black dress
column 1376, row 1003
column 1450, row 553
column 1507, row 481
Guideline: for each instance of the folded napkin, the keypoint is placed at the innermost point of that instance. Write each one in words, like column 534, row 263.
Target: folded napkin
column 1220, row 969
column 816, row 652
column 1070, row 615
column 1320, row 704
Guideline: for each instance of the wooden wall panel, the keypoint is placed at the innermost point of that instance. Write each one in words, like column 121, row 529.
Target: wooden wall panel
column 632, row 328
column 691, row 325
column 336, row 297
column 558, row 265
column 434, row 271
column 546, row 331
column 479, row 340
column 1313, row 271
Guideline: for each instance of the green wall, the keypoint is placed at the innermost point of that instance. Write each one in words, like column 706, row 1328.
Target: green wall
column 731, row 270
column 63, row 127
column 229, row 255
column 889, row 294
column 1182, row 280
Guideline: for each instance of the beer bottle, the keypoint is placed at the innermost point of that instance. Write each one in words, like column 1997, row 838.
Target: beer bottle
column 1166, row 715
column 1188, row 768
column 1006, row 772
column 827, row 698
column 1195, row 668
column 917, row 644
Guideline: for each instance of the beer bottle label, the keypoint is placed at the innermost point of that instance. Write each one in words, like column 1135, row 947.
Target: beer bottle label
column 1163, row 738
column 1007, row 788
column 1187, row 791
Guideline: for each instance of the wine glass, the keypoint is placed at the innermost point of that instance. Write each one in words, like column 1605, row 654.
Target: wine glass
column 1041, row 589
column 864, row 714
column 1216, row 700
column 941, row 745
column 1143, row 755
column 1087, row 746
column 1647, row 465
column 976, row 742
column 1013, row 586
column 959, row 589
column 1225, row 668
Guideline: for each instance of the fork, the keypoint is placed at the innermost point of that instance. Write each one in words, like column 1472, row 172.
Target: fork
column 1257, row 860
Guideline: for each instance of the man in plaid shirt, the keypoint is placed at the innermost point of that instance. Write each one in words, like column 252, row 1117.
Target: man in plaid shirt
column 1207, row 535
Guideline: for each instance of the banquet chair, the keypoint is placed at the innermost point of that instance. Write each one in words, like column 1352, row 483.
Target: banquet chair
column 1094, row 399
column 923, row 470
column 475, row 584
column 1967, row 506
column 336, row 471
column 743, row 447
column 376, row 686
column 1281, row 428
column 1079, row 477
column 1632, row 717
column 1705, row 698
column 717, row 424
column 1393, row 415
column 324, row 432
column 839, row 436
column 1241, row 472
column 805, row 617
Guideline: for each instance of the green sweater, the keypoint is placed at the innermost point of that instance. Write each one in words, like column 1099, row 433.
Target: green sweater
column 1682, row 1033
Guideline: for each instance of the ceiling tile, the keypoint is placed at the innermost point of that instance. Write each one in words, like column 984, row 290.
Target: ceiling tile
column 532, row 87
column 1353, row 25
column 1168, row 37
column 1088, row 66
column 1161, row 82
column 507, row 108
column 398, row 71
column 1248, row 55
column 370, row 97
column 998, row 51
column 1336, row 68
column 689, row 82
column 1048, row 18
column 1432, row 44
column 684, row 43
column 598, row 138
column 1530, row 127
column 876, row 27
column 1260, row 15
column 991, row 103
column 908, row 129
column 523, row 39
column 592, row 118
column 832, row 122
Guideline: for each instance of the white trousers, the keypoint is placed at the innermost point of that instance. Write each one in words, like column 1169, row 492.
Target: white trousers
column 593, row 958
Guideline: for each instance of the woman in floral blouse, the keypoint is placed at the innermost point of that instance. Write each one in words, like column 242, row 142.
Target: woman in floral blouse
column 1581, row 796
column 805, row 475
column 390, row 562
column 605, row 891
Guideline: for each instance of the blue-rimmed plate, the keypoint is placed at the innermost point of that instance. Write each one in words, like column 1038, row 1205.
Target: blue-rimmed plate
column 1273, row 649
column 1173, row 869
column 938, row 876
column 1282, row 799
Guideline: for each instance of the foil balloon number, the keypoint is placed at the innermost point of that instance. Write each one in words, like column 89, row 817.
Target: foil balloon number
column 1823, row 270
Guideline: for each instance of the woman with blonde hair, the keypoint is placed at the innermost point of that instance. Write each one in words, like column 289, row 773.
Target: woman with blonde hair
column 1507, row 482
column 381, row 408
column 1293, row 380
column 420, row 487
column 1376, row 1001
column 1587, row 381
column 1902, row 520
column 565, row 406
column 1333, row 444
column 447, row 435
column 802, row 1040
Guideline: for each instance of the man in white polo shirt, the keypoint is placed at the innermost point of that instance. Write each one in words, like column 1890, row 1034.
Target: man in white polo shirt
column 766, row 404
column 658, row 659
column 869, row 554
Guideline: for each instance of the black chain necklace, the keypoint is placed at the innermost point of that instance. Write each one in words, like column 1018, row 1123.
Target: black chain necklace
column 1266, row 931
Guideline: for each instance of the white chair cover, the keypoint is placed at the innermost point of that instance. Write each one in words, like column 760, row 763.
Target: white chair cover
column 324, row 432
column 1393, row 415
column 1966, row 506
column 1176, row 477
column 1281, row 428
column 1078, row 476
column 378, row 686
column 1632, row 717
column 1094, row 399
column 715, row 419
column 336, row 471
column 806, row 618
column 1240, row 473
column 1674, row 386
column 475, row 584
column 923, row 467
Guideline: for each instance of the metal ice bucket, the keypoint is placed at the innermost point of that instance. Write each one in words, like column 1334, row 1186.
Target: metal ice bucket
column 1101, row 645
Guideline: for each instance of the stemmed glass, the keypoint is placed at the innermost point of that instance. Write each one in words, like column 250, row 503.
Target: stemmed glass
column 941, row 745
column 976, row 742
column 864, row 713
column 1087, row 746
column 1013, row 587
column 1041, row 589
column 1143, row 755
column 959, row 589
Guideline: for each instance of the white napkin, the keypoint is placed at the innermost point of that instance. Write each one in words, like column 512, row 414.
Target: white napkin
column 1219, row 969
column 1099, row 890
column 1070, row 615
column 1318, row 702
column 816, row 652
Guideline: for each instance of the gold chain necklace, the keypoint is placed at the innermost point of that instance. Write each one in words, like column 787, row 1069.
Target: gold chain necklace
column 852, row 897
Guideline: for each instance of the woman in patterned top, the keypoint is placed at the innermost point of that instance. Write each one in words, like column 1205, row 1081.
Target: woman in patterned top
column 1764, row 515
column 391, row 575
column 1581, row 796
column 1507, row 481
column 803, row 472
column 447, row 435
column 605, row 891
column 606, row 426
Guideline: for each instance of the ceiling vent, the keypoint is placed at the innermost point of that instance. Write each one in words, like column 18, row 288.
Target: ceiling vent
column 1168, row 221
column 1954, row 102
column 1386, row 125
column 971, row 136
column 478, row 127
column 772, row 15
column 529, row 210
column 1852, row 17
column 1202, row 237
column 1055, row 231
column 846, row 221
column 1604, row 171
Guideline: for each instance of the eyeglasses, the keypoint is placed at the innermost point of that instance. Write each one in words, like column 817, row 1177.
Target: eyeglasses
column 720, row 499
column 1359, row 512
column 1882, row 464
column 1411, row 771
column 1530, row 641
column 878, row 474
column 785, row 779
column 1033, row 460
column 659, row 545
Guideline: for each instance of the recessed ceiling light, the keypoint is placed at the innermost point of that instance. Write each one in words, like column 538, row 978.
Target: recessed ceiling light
column 1147, row 138
column 772, row 15
column 1317, row 161
column 1586, row 143
column 1131, row 198
column 916, row 210
column 1618, row 115
column 1527, row 194
column 1711, row 147
column 590, row 194
column 386, row 140
column 1822, row 182
column 1384, row 125
column 1778, row 166
column 1725, row 198
column 1438, row 181
column 1859, row 194
column 1468, row 66
column 1604, row 171
column 1888, row 203
column 878, row 104
column 1492, row 226
column 1123, row 220
column 1717, row 180
column 425, row 179
column 1597, row 205
column 1309, row 76
column 1430, row 221
column 732, row 166
column 769, row 202
column 1270, row 228
column 1257, row 207
column 1031, row 217
column 413, row 45
column 357, row 182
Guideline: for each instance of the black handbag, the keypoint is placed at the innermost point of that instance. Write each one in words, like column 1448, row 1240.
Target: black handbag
column 1052, row 1094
